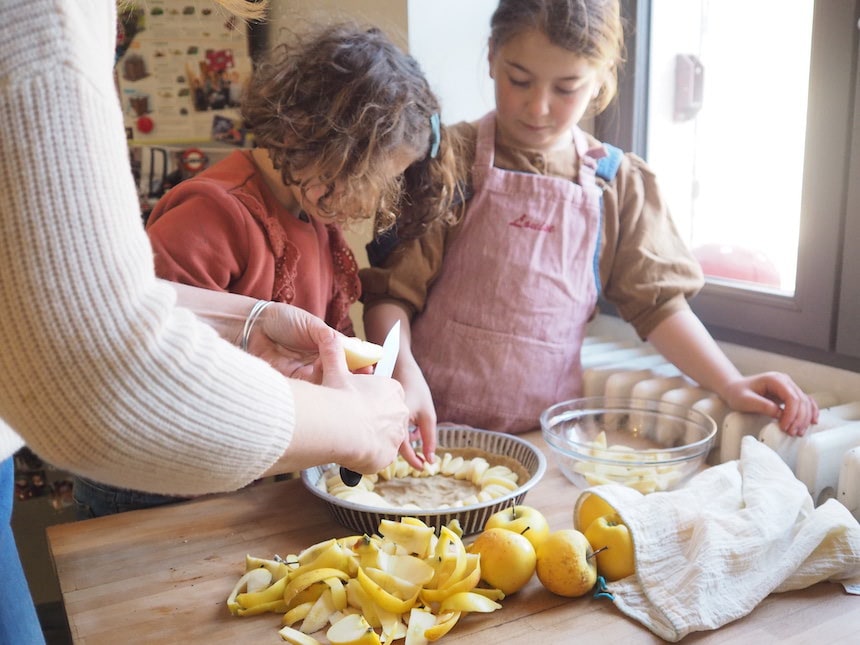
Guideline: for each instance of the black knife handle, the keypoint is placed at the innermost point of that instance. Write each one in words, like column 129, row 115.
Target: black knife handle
column 349, row 477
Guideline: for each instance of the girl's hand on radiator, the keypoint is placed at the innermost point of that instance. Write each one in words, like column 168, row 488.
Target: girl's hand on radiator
column 776, row 395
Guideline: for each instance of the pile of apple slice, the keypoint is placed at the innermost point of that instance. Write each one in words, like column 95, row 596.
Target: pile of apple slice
column 492, row 481
column 644, row 477
column 405, row 583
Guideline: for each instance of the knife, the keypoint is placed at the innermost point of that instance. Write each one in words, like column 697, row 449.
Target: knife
column 384, row 367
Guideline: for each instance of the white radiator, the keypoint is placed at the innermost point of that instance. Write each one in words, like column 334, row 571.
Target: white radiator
column 826, row 459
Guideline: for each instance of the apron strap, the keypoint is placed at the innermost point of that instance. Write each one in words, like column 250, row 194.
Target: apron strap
column 588, row 157
column 485, row 150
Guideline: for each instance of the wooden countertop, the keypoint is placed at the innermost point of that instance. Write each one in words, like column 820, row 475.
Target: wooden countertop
column 163, row 575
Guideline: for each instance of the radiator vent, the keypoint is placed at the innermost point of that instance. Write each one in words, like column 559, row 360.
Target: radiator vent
column 826, row 459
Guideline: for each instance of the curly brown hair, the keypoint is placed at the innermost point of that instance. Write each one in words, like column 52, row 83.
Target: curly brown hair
column 336, row 103
column 592, row 29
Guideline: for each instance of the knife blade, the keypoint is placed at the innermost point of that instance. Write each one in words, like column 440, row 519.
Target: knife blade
column 390, row 349
column 384, row 367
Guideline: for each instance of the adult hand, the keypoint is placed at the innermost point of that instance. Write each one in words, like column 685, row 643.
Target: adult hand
column 286, row 337
column 375, row 415
column 355, row 420
column 776, row 395
column 289, row 339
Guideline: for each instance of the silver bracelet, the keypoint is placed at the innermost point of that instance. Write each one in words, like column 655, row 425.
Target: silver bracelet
column 256, row 310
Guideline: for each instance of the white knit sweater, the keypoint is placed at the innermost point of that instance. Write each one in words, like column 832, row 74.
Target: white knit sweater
column 100, row 372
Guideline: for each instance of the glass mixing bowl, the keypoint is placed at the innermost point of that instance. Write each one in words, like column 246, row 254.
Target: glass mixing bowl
column 646, row 445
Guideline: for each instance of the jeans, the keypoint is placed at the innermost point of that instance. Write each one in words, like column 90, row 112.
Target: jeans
column 95, row 500
column 19, row 624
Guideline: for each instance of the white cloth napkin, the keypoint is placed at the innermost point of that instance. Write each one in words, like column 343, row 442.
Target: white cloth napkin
column 708, row 553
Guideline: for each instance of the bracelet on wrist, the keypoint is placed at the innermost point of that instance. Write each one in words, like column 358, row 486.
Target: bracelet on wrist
column 256, row 310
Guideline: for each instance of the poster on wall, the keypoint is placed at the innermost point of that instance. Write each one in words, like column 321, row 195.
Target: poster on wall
column 181, row 67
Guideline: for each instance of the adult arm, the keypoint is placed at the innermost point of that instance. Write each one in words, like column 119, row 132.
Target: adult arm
column 101, row 373
column 286, row 337
column 301, row 345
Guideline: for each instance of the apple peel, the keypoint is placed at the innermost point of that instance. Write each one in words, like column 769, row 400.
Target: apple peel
column 469, row 601
column 295, row 637
column 403, row 596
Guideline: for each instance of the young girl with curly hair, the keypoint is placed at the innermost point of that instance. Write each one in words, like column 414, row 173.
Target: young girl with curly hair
column 346, row 128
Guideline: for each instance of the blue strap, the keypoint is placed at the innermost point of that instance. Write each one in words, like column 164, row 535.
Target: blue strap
column 607, row 167
column 595, row 261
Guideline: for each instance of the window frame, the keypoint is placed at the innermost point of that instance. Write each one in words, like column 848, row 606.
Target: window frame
column 820, row 321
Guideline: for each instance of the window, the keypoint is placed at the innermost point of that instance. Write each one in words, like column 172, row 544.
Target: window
column 748, row 111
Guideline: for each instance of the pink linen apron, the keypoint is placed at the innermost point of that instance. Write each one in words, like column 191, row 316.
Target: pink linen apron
column 500, row 337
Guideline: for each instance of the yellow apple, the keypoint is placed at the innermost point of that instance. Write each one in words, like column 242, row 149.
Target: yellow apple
column 588, row 509
column 507, row 559
column 360, row 353
column 565, row 565
column 613, row 547
column 525, row 520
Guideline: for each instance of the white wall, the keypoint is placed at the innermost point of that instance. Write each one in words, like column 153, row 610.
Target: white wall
column 449, row 40
column 447, row 37
column 290, row 15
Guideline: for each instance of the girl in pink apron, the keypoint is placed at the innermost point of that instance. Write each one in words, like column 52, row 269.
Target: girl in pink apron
column 499, row 339
column 499, row 302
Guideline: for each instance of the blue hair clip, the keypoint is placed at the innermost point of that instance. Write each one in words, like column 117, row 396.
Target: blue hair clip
column 435, row 135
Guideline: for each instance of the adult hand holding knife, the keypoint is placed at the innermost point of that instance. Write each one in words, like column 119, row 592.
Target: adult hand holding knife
column 385, row 367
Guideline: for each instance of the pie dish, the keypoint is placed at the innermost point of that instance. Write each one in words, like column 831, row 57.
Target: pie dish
column 527, row 460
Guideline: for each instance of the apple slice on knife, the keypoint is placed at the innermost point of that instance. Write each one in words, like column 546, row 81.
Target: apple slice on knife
column 384, row 367
column 360, row 353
